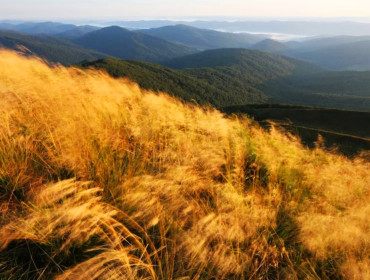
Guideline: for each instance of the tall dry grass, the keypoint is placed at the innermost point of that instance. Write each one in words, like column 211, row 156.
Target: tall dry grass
column 102, row 180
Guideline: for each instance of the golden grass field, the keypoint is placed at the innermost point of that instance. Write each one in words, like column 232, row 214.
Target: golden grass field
column 102, row 180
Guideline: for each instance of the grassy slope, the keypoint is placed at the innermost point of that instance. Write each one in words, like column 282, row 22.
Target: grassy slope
column 331, row 124
column 51, row 48
column 164, row 190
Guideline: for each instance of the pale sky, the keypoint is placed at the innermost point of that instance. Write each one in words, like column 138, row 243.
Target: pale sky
column 129, row 9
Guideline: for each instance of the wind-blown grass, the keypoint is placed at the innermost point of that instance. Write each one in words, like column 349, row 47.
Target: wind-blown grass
column 102, row 180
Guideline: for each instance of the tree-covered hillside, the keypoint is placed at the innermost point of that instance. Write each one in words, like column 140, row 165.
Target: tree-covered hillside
column 177, row 83
column 238, row 77
column 347, row 131
column 282, row 79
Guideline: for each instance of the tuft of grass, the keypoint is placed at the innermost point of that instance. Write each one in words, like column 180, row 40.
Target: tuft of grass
column 100, row 179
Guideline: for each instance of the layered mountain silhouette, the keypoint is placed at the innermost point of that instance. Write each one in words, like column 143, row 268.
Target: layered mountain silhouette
column 122, row 43
column 202, row 38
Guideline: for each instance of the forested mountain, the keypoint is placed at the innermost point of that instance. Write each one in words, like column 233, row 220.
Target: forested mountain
column 283, row 79
column 122, row 43
column 221, row 77
column 6, row 26
column 203, row 38
column 77, row 32
column 48, row 28
column 177, row 83
column 349, row 56
column 346, row 131
column 50, row 48
column 324, row 42
column 269, row 45
column 236, row 77
column 241, row 58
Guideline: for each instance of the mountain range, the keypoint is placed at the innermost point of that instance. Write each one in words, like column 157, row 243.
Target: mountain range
column 223, row 74
column 203, row 39
column 122, row 43
column 158, row 44
column 289, row 27
column 226, row 77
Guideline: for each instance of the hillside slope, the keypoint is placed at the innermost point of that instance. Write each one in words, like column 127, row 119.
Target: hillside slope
column 102, row 180
column 122, row 43
column 177, row 83
column 282, row 79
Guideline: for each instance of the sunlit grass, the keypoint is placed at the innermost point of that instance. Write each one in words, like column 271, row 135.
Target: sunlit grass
column 102, row 180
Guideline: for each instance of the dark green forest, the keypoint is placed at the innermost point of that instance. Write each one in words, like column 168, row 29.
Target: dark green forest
column 348, row 131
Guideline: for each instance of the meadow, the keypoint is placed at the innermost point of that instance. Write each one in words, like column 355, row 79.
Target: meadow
column 100, row 179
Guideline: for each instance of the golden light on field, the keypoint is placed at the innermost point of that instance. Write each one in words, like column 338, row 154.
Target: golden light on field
column 102, row 180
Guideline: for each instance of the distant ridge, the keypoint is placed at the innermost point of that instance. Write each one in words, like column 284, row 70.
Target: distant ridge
column 77, row 32
column 348, row 56
column 269, row 45
column 46, row 28
column 202, row 38
column 125, row 44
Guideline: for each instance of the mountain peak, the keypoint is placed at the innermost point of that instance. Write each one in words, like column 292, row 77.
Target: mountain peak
column 125, row 44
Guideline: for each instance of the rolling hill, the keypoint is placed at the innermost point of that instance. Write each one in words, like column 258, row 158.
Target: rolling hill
column 122, row 43
column 202, row 39
column 236, row 77
column 280, row 78
column 158, row 78
column 230, row 75
column 51, row 48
